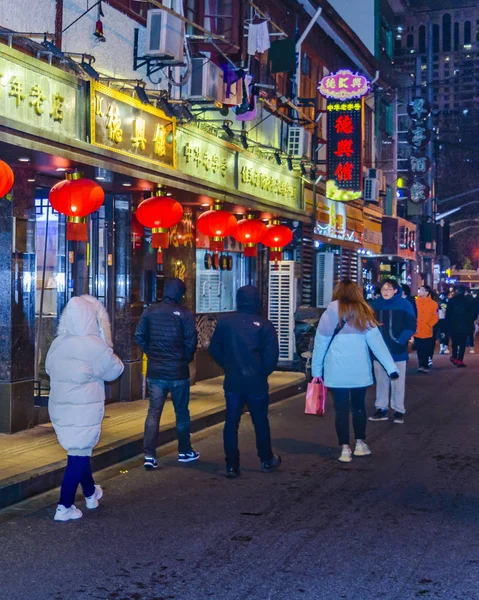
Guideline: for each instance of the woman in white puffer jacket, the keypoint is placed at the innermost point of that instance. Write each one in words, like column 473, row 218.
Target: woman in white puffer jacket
column 79, row 361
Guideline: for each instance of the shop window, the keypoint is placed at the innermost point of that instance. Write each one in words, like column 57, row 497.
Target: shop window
column 456, row 36
column 446, row 32
column 50, row 279
column 422, row 39
column 215, row 288
column 467, row 33
column 435, row 38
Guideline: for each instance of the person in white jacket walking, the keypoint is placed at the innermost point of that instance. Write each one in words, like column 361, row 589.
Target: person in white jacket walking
column 79, row 361
column 347, row 334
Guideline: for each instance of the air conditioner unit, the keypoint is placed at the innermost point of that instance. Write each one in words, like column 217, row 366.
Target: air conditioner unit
column 371, row 189
column 206, row 81
column 296, row 142
column 324, row 278
column 282, row 305
column 165, row 35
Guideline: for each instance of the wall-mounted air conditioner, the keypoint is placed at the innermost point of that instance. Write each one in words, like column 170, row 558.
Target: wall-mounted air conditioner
column 206, row 82
column 297, row 138
column 165, row 35
column 371, row 189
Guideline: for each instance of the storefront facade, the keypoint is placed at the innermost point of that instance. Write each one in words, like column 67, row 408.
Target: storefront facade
column 51, row 122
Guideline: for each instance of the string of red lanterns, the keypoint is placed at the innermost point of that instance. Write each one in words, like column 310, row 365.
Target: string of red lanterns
column 76, row 197
column 277, row 237
column 250, row 232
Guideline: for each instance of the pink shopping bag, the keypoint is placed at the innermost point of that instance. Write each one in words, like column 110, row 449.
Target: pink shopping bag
column 316, row 397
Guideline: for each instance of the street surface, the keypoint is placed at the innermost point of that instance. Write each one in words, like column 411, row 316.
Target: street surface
column 399, row 525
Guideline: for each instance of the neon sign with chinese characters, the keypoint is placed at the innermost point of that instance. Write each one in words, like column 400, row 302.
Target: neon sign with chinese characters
column 344, row 151
column 344, row 85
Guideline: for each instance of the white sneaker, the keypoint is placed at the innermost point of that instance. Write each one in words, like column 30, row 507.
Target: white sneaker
column 67, row 514
column 346, row 454
column 446, row 350
column 362, row 449
column 92, row 501
column 471, row 351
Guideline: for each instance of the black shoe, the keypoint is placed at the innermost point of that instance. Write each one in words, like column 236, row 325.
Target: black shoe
column 268, row 466
column 398, row 417
column 232, row 472
column 379, row 415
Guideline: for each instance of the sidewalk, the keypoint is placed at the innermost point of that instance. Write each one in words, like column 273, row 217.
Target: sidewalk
column 32, row 462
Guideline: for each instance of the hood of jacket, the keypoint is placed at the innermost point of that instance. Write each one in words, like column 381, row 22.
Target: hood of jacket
column 425, row 301
column 174, row 290
column 248, row 300
column 391, row 304
column 79, row 318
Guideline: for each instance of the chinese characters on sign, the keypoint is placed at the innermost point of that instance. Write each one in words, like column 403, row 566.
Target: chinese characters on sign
column 343, row 85
column 419, row 136
column 210, row 161
column 125, row 125
column 344, row 151
column 45, row 98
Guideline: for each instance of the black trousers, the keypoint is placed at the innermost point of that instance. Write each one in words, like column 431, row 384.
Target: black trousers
column 423, row 347
column 458, row 345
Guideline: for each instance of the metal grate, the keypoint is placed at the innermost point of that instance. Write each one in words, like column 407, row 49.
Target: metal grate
column 282, row 305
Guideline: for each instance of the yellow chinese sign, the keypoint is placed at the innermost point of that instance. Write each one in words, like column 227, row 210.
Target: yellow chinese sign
column 35, row 94
column 201, row 155
column 123, row 124
column 270, row 184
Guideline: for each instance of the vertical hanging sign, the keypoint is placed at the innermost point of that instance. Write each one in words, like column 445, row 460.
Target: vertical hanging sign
column 345, row 91
column 419, row 137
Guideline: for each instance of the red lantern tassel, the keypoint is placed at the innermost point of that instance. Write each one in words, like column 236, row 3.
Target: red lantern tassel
column 77, row 231
column 250, row 251
column 159, row 240
column 159, row 257
column 217, row 245
column 275, row 255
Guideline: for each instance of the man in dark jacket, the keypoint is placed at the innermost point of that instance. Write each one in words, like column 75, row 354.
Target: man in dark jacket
column 397, row 324
column 246, row 346
column 460, row 317
column 166, row 333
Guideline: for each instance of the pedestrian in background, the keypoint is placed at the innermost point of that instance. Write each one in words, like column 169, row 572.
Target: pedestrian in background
column 166, row 333
column 460, row 316
column 470, row 341
column 78, row 362
column 442, row 325
column 427, row 317
column 397, row 323
column 245, row 345
column 406, row 293
column 347, row 334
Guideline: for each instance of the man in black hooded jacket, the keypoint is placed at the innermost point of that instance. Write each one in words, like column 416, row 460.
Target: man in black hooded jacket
column 246, row 346
column 166, row 333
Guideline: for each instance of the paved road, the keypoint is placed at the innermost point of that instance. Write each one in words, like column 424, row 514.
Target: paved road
column 399, row 525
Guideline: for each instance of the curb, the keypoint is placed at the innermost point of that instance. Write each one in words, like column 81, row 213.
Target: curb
column 43, row 479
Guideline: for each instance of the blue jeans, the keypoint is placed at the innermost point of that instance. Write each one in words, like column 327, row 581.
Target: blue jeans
column 78, row 471
column 258, row 408
column 358, row 406
column 180, row 395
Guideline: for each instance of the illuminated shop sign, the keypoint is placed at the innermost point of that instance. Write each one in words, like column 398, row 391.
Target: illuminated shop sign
column 37, row 94
column 125, row 125
column 344, row 85
column 333, row 221
column 419, row 137
column 344, row 150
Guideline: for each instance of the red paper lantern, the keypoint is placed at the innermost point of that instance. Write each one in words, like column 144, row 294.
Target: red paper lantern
column 276, row 238
column 159, row 213
column 6, row 179
column 216, row 224
column 76, row 197
column 249, row 232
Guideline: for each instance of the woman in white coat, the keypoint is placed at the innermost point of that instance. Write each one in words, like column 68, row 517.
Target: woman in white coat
column 347, row 334
column 79, row 361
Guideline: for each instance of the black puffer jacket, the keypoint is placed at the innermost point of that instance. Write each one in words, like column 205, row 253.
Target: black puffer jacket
column 166, row 333
column 245, row 345
column 461, row 313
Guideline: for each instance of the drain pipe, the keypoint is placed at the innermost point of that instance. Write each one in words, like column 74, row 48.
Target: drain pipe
column 299, row 43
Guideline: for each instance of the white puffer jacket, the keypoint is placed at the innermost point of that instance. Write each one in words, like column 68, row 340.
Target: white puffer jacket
column 79, row 362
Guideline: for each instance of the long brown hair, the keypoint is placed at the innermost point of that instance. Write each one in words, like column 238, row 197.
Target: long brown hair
column 352, row 307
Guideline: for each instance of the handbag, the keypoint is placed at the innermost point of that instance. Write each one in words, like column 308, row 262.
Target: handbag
column 317, row 392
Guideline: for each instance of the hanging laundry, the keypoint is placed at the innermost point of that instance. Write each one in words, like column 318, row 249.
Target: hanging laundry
column 233, row 79
column 246, row 111
column 258, row 38
column 282, row 56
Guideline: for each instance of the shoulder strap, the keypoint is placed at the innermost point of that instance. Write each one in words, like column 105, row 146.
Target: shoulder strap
column 339, row 326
